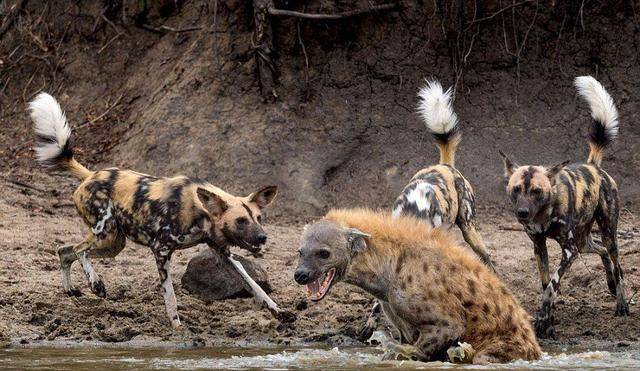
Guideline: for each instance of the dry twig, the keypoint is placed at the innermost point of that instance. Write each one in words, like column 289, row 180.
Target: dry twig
column 319, row 16
column 91, row 122
column 165, row 29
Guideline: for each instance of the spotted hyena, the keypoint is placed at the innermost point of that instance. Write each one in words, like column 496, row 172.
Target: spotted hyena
column 562, row 203
column 439, row 194
column 436, row 293
column 165, row 214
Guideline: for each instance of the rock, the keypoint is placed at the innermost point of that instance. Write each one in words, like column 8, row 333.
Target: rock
column 211, row 277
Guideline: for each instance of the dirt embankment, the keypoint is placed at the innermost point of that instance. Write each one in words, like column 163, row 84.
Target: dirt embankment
column 343, row 132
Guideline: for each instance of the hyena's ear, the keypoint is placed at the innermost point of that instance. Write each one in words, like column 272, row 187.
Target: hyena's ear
column 509, row 166
column 212, row 202
column 355, row 238
column 264, row 197
column 554, row 170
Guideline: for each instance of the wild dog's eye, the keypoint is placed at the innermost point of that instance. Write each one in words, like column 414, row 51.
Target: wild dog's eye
column 242, row 221
column 323, row 254
column 516, row 189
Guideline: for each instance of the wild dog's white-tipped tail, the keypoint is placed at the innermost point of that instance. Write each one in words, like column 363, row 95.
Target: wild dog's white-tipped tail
column 51, row 127
column 53, row 148
column 434, row 105
column 604, row 127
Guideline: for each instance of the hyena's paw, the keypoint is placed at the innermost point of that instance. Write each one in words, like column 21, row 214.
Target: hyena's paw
column 367, row 330
column 463, row 353
column 98, row 289
column 74, row 292
column 622, row 309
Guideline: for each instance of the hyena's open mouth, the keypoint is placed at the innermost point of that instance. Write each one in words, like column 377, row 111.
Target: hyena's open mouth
column 317, row 289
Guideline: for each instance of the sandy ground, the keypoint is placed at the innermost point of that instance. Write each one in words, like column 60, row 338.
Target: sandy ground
column 34, row 222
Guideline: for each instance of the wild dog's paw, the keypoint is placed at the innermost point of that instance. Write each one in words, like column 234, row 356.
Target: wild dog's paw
column 74, row 292
column 622, row 309
column 98, row 289
column 545, row 329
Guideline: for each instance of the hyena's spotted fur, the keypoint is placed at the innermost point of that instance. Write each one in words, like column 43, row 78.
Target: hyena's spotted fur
column 165, row 214
column 438, row 195
column 562, row 203
column 433, row 291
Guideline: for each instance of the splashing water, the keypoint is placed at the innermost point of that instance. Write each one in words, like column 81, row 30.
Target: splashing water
column 89, row 358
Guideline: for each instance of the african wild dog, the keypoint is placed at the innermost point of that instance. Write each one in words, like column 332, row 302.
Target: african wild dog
column 434, row 291
column 562, row 203
column 165, row 214
column 438, row 195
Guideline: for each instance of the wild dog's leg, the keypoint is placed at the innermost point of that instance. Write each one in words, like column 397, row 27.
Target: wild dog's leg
column 163, row 262
column 545, row 320
column 67, row 256
column 542, row 257
column 593, row 247
column 471, row 235
column 105, row 236
column 95, row 283
column 372, row 323
column 109, row 247
column 105, row 245
column 465, row 219
column 607, row 218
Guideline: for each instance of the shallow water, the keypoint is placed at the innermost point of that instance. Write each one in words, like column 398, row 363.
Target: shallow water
column 98, row 358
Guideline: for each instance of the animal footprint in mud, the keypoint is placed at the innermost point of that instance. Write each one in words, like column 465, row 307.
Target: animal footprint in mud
column 74, row 292
column 285, row 316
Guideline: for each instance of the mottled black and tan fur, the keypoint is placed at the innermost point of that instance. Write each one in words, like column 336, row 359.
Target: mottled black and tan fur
column 562, row 203
column 439, row 195
column 165, row 214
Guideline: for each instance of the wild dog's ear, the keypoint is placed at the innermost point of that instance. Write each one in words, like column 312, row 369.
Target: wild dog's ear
column 264, row 197
column 509, row 166
column 355, row 238
column 554, row 170
column 212, row 202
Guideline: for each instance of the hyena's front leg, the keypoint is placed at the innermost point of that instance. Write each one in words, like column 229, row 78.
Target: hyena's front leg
column 545, row 321
column 163, row 261
column 372, row 322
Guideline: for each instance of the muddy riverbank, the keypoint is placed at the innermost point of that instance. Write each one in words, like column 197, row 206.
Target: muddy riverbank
column 34, row 311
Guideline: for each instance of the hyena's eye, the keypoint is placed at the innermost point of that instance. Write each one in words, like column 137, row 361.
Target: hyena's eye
column 516, row 189
column 242, row 221
column 536, row 192
column 259, row 218
column 323, row 254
